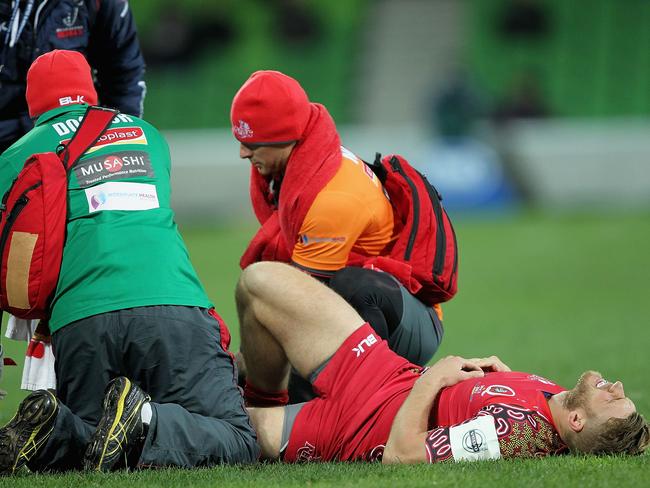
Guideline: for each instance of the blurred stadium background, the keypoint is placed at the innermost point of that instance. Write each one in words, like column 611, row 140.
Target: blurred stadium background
column 530, row 116
column 501, row 102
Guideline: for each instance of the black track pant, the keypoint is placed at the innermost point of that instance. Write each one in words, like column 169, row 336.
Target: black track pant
column 176, row 355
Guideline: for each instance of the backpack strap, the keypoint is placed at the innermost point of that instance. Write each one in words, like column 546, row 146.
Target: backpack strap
column 378, row 168
column 94, row 123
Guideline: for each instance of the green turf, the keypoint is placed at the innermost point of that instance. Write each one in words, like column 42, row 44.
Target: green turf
column 560, row 472
column 554, row 295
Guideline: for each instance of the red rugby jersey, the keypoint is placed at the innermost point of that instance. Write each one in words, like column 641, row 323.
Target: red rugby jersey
column 517, row 402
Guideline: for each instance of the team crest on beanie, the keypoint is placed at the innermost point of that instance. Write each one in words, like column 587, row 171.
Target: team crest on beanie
column 243, row 130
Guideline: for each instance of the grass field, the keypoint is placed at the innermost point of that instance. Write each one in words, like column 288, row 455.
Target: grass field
column 554, row 295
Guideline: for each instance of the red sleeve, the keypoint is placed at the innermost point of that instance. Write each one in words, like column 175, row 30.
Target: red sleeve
column 521, row 433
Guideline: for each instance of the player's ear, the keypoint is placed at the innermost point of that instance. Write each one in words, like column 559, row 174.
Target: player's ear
column 576, row 420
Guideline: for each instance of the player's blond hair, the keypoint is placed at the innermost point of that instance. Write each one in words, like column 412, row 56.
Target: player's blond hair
column 629, row 435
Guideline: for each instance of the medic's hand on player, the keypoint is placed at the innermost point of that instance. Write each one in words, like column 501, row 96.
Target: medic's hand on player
column 491, row 364
column 451, row 370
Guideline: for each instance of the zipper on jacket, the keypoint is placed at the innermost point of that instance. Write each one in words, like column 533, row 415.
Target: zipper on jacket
column 21, row 201
column 441, row 239
column 396, row 166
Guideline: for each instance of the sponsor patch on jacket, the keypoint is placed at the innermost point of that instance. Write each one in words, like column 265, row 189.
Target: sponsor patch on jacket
column 120, row 135
column 122, row 196
column 306, row 239
column 66, row 32
column 114, row 166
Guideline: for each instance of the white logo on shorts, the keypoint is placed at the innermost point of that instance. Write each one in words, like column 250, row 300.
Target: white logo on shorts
column 368, row 341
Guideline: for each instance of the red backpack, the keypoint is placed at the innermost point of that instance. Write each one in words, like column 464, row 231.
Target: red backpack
column 426, row 242
column 33, row 217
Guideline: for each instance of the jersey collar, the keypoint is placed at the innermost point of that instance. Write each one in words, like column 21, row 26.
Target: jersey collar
column 55, row 112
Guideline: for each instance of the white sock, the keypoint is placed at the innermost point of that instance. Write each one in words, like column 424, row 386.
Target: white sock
column 146, row 413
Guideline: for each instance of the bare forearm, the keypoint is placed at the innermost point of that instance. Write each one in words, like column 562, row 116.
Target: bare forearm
column 406, row 440
column 409, row 430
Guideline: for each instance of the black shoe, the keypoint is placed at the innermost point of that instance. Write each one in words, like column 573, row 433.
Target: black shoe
column 120, row 427
column 28, row 431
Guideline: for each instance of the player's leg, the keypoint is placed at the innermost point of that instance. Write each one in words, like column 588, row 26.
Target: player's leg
column 379, row 300
column 268, row 424
column 51, row 433
column 286, row 315
column 178, row 356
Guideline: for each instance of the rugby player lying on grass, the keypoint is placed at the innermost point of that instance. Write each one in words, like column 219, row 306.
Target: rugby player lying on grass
column 374, row 405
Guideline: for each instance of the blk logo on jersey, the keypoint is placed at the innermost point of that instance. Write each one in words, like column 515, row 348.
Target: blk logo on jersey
column 118, row 165
column 364, row 345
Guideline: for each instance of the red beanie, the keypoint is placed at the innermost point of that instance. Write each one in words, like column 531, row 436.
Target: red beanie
column 270, row 108
column 59, row 78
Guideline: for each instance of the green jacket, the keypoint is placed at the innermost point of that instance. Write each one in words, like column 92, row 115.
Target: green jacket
column 123, row 249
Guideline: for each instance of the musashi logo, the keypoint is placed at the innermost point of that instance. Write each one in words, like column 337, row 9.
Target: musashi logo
column 118, row 165
column 122, row 135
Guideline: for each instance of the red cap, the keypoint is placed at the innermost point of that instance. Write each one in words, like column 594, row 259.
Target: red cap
column 59, row 78
column 270, row 108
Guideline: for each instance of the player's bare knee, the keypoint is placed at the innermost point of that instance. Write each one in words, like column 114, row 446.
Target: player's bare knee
column 267, row 423
column 242, row 294
column 251, row 284
column 257, row 280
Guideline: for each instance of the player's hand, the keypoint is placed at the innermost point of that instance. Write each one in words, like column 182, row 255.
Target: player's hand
column 491, row 364
column 451, row 370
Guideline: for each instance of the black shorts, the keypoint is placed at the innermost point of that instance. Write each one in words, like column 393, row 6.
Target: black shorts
column 412, row 329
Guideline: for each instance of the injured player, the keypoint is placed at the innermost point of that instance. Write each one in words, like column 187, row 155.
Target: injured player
column 373, row 405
